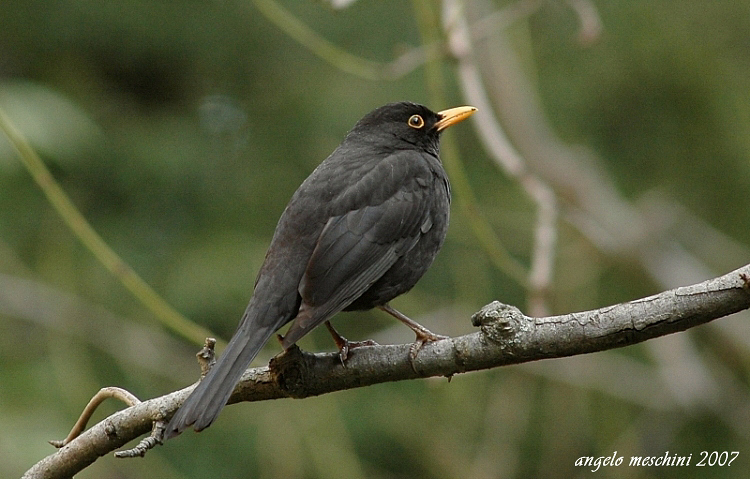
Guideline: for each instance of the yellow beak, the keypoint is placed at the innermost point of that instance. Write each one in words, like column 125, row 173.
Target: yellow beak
column 452, row 116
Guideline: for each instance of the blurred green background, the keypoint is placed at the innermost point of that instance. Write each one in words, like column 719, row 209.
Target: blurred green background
column 180, row 129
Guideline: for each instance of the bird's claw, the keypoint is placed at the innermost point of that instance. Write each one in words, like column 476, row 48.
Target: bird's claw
column 346, row 346
column 423, row 336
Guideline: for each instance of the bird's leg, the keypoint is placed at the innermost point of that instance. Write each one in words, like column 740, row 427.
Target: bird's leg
column 424, row 335
column 344, row 344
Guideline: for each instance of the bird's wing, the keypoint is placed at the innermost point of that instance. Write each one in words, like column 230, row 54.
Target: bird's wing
column 390, row 211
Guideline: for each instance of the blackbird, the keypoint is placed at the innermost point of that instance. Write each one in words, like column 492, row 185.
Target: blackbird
column 359, row 231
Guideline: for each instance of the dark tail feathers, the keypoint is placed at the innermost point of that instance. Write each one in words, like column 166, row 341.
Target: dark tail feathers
column 207, row 400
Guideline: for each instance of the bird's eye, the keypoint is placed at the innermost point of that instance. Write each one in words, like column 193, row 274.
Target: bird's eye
column 416, row 121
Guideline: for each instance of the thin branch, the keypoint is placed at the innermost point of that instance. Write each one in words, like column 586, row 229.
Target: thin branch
column 373, row 70
column 589, row 200
column 465, row 198
column 83, row 230
column 324, row 49
column 339, row 58
column 588, row 197
column 545, row 242
column 502, row 151
column 102, row 395
column 505, row 337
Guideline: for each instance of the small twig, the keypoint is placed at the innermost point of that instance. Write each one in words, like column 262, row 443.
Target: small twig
column 88, row 411
column 207, row 356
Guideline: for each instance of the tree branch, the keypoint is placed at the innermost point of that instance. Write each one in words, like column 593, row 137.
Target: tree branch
column 505, row 337
column 500, row 148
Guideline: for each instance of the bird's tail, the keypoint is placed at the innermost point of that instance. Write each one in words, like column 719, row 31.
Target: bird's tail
column 207, row 400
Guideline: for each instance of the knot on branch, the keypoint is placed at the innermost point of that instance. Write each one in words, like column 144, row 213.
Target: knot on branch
column 498, row 321
column 290, row 369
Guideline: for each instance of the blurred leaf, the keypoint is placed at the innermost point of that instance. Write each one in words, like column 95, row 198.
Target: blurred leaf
column 52, row 123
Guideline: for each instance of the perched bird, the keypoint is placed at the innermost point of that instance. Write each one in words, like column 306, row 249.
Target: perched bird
column 360, row 230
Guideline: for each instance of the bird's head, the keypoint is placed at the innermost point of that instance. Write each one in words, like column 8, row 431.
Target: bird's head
column 407, row 125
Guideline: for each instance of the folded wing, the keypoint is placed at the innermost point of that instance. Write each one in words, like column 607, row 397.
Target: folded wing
column 358, row 246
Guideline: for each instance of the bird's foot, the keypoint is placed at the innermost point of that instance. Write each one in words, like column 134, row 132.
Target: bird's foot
column 424, row 336
column 345, row 346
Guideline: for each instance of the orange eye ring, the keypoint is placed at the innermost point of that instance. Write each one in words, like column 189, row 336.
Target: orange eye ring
column 415, row 121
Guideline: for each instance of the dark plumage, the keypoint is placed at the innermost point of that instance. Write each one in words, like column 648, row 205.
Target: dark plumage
column 359, row 231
